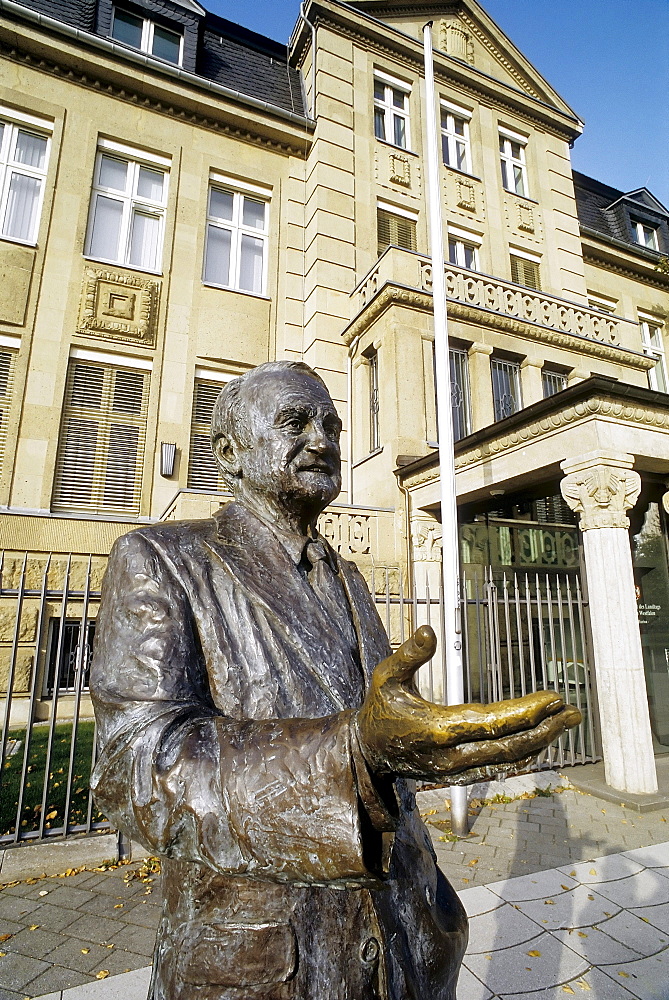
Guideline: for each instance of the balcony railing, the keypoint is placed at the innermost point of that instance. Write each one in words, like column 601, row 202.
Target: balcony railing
column 494, row 295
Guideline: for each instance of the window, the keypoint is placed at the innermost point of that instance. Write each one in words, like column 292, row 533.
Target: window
column 391, row 110
column 395, row 230
column 455, row 149
column 203, row 470
column 68, row 653
column 552, row 381
column 374, row 432
column 460, row 410
column 462, row 253
column 505, row 387
column 653, row 346
column 600, row 303
column 102, row 435
column 24, row 155
column 147, row 36
column 645, row 235
column 127, row 215
column 512, row 156
column 7, row 359
column 525, row 272
column 236, row 250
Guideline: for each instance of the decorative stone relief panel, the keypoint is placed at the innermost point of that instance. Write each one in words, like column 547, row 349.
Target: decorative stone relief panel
column 525, row 218
column 466, row 195
column 457, row 41
column 119, row 307
column 348, row 534
column 426, row 541
column 393, row 170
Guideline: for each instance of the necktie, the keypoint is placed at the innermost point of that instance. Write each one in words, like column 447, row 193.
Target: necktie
column 328, row 588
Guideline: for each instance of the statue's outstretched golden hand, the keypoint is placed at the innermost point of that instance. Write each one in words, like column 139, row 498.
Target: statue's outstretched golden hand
column 401, row 733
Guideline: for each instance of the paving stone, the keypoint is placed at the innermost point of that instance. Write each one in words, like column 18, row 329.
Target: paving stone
column 11, row 995
column 17, row 970
column 642, row 935
column 513, row 970
column 145, row 916
column 37, row 943
column 54, row 918
column 109, row 906
column 658, row 916
column 69, row 954
column 647, row 978
column 122, row 987
column 615, row 866
column 532, row 887
column 119, row 961
column 593, row 985
column 647, row 888
column 597, row 947
column 138, row 939
column 471, row 988
column 15, row 907
column 581, row 907
column 502, row 927
column 101, row 930
column 479, row 900
column 54, row 979
column 12, row 927
column 655, row 856
column 70, row 898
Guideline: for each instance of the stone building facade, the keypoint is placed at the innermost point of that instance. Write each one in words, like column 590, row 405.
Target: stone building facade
column 183, row 199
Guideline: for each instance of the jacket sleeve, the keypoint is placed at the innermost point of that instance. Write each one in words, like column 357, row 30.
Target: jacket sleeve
column 271, row 799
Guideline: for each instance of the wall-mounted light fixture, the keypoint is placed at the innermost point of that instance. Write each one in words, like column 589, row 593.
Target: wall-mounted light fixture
column 168, row 453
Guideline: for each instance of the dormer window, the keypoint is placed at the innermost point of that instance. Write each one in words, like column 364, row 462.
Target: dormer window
column 645, row 235
column 147, row 36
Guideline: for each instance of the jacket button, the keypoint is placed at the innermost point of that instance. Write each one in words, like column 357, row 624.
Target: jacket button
column 369, row 950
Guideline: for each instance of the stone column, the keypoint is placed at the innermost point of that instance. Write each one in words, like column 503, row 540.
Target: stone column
column 426, row 546
column 483, row 410
column 530, row 380
column 601, row 487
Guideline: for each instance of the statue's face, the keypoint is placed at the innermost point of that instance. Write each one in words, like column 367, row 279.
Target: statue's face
column 294, row 458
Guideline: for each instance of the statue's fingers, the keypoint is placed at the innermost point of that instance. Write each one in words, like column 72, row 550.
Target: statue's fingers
column 412, row 654
column 465, row 723
column 509, row 749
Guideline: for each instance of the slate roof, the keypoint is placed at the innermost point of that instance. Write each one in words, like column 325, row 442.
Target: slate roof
column 608, row 211
column 228, row 54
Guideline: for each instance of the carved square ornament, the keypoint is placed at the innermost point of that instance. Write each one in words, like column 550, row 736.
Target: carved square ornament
column 400, row 169
column 466, row 196
column 119, row 307
column 525, row 218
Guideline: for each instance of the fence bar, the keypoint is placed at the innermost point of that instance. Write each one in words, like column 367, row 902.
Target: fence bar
column 81, row 657
column 11, row 667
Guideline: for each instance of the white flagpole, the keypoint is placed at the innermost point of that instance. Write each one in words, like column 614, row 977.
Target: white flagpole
column 449, row 515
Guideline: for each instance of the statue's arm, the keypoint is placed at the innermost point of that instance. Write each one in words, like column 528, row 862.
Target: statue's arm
column 276, row 798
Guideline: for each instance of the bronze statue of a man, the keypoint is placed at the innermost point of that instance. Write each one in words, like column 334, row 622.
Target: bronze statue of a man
column 257, row 732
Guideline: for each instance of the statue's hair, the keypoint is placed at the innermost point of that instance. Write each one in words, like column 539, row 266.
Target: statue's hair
column 230, row 414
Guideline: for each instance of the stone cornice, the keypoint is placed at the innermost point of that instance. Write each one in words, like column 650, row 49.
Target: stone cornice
column 392, row 294
column 131, row 94
column 603, row 257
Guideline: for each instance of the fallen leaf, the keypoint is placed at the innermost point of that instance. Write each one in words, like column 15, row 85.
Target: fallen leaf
column 33, row 927
column 43, row 892
column 593, row 871
column 582, row 934
column 565, row 887
column 572, row 874
column 117, row 906
column 567, row 989
column 465, row 880
column 85, row 951
column 2, row 954
column 645, row 919
column 583, row 984
column 534, row 954
column 549, row 902
column 473, row 862
column 52, row 814
column 5, row 937
column 102, row 974
column 625, row 975
column 110, row 946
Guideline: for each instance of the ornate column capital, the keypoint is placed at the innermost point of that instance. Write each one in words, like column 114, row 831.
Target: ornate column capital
column 601, row 487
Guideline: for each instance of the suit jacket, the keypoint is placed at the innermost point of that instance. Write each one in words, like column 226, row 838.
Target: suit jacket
column 223, row 700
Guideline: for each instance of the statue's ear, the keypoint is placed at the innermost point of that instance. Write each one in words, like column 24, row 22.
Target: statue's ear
column 226, row 451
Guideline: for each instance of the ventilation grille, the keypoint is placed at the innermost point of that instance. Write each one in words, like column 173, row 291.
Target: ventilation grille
column 7, row 366
column 203, row 471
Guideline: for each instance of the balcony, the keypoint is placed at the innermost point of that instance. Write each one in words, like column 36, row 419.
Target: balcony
column 493, row 302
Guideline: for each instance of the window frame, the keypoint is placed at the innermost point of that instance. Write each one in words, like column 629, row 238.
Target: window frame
column 239, row 191
column 133, row 203
column 15, row 122
column 508, row 162
column 519, row 257
column 385, row 109
column 148, row 34
column 372, row 358
column 396, row 215
column 458, row 243
column 649, row 325
column 205, row 379
column 639, row 228
column 450, row 139
column 512, row 369
column 553, row 380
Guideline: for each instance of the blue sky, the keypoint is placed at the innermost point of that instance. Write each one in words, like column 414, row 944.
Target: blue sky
column 609, row 59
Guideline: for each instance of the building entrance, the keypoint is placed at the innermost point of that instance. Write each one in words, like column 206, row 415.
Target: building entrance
column 651, row 577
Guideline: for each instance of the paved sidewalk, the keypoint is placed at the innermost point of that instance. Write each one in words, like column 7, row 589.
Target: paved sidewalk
column 519, row 874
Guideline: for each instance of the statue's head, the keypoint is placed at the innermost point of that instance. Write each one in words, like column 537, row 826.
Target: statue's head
column 275, row 434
